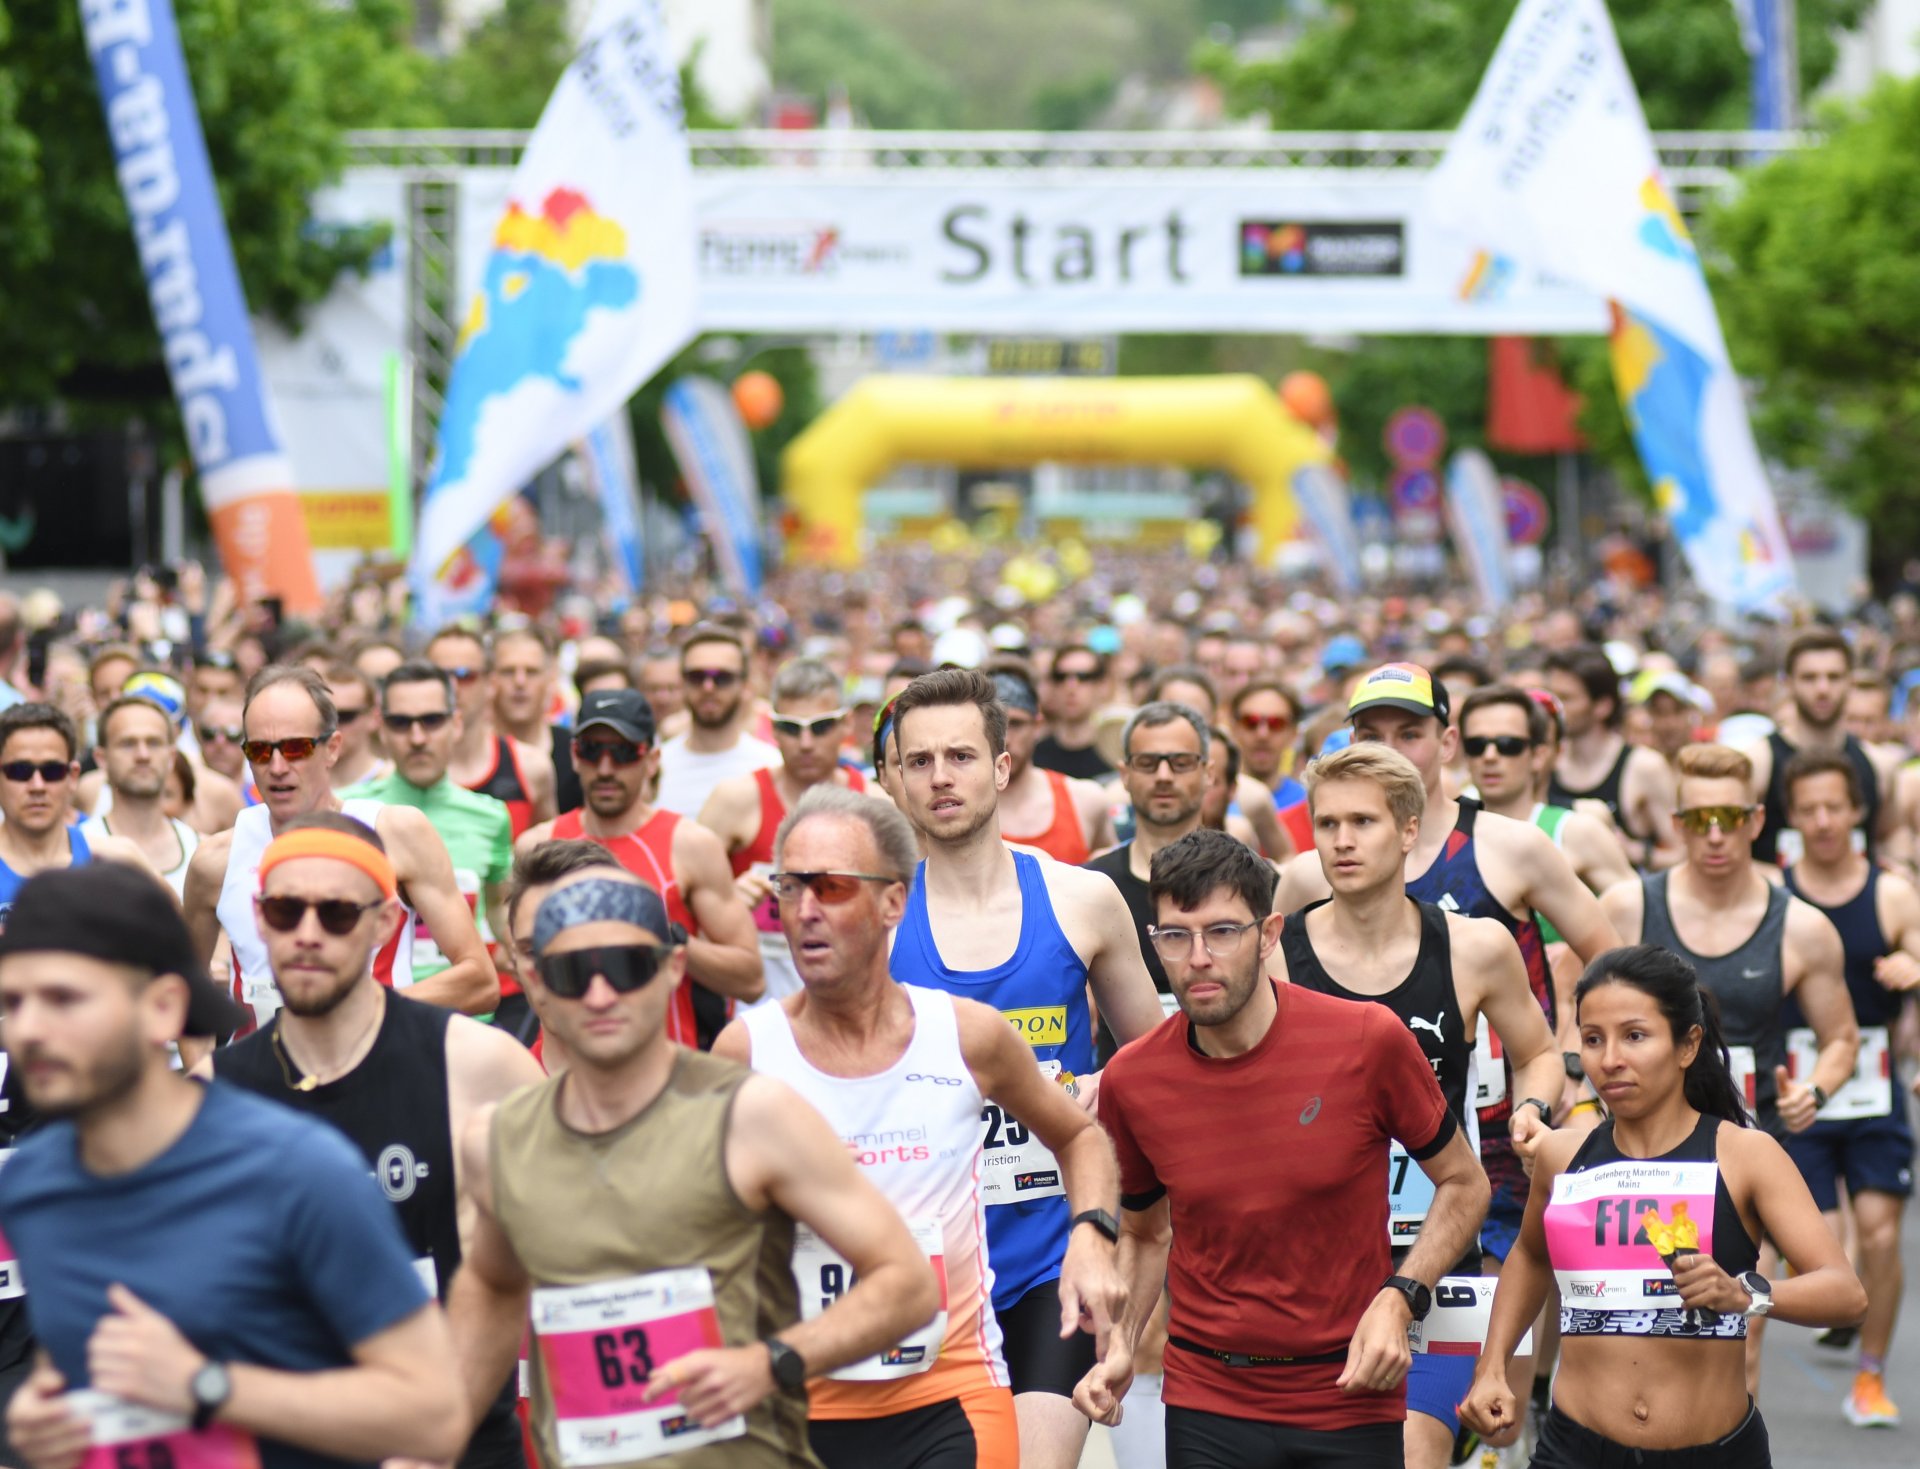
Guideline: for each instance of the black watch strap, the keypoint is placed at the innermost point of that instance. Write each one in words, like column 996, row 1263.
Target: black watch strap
column 1419, row 1297
column 1819, row 1096
column 1101, row 1220
column 788, row 1366
column 1546, row 1110
column 1570, row 1062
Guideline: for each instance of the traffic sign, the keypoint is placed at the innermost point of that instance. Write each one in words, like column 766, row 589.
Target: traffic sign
column 1414, row 491
column 1415, row 438
column 1526, row 511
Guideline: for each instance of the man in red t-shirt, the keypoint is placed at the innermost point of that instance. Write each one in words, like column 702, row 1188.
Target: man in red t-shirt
column 1252, row 1132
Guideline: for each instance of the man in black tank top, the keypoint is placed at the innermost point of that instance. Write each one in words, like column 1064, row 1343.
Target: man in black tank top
column 1634, row 784
column 1819, row 672
column 1751, row 943
column 399, row 1078
column 1438, row 972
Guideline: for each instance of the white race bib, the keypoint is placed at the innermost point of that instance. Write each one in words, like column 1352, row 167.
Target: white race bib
column 1741, row 1061
column 598, row 1346
column 1866, row 1093
column 1457, row 1324
column 823, row 1276
column 1014, row 1164
column 1409, row 1197
column 1489, row 1067
column 12, row 1287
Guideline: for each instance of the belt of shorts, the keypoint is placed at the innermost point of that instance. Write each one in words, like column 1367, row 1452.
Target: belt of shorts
column 1255, row 1359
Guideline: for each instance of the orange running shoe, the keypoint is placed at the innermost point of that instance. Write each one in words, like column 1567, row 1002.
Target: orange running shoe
column 1868, row 1405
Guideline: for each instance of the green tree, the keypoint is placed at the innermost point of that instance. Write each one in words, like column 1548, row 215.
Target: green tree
column 506, row 69
column 1816, row 268
column 1412, row 66
column 822, row 46
column 276, row 83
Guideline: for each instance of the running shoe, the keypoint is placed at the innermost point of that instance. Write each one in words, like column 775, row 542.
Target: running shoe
column 1868, row 1405
column 1837, row 1338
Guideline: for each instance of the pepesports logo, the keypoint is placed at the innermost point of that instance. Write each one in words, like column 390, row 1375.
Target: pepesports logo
column 1587, row 1290
column 783, row 249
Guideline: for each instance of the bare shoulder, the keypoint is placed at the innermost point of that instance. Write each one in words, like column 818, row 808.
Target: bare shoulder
column 981, row 1028
column 1078, row 888
column 210, row 857
column 1557, row 1149
column 486, row 1057
column 693, row 841
column 1511, row 837
column 402, row 821
column 1807, row 925
column 1479, row 940
column 534, row 835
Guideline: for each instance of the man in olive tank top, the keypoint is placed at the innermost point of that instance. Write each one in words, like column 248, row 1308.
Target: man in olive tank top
column 638, row 1212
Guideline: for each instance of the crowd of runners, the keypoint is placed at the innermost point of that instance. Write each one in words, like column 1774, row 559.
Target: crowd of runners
column 900, row 1024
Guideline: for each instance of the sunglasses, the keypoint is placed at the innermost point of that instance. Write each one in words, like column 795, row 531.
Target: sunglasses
column 210, row 733
column 403, row 723
column 347, row 716
column 713, row 678
column 1179, row 764
column 623, row 752
column 22, row 771
column 1701, row 819
column 1075, row 675
column 831, row 888
column 337, row 916
column 463, row 674
column 1266, row 723
column 1508, row 745
column 820, row 727
column 299, row 747
column 625, row 967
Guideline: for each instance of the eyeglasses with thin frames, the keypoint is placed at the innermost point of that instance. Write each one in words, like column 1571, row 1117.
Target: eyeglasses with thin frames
column 1223, row 940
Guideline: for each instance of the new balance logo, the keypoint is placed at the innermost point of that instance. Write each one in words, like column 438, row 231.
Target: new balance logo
column 1414, row 1022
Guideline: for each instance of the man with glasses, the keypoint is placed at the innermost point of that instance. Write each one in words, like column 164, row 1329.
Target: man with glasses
column 716, row 746
column 218, row 734
column 1069, row 818
column 1751, row 941
column 680, row 859
column 362, row 760
column 39, row 768
column 517, row 775
column 422, row 724
column 1079, row 684
column 878, row 1058
column 1254, row 1136
column 1266, row 724
column 400, row 1079
column 809, row 727
column 1447, row 978
column 292, row 738
column 1029, row 937
column 640, row 1213
column 136, row 754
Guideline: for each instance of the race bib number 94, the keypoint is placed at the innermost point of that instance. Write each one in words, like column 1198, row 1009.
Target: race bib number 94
column 823, row 1276
column 599, row 1345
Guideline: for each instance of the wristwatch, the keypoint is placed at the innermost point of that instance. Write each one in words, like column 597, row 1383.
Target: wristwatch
column 1760, row 1288
column 1101, row 1220
column 1819, row 1096
column 789, row 1367
column 1576, row 1070
column 1546, row 1112
column 1419, row 1297
column 210, row 1389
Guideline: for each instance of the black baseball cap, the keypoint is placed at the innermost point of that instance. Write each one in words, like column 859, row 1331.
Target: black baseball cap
column 625, row 711
column 114, row 912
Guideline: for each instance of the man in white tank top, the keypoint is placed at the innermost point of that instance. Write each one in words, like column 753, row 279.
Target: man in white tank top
column 134, row 754
column 293, row 738
column 905, row 1075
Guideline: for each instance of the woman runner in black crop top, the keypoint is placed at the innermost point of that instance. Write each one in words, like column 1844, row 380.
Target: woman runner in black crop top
column 1653, row 1352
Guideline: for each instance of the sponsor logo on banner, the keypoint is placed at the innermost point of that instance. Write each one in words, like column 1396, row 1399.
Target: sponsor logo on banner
column 1315, row 247
column 774, row 249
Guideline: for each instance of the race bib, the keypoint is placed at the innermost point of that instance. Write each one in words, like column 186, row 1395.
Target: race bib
column 1015, row 1165
column 599, row 1344
column 823, row 1275
column 12, row 1287
column 1169, row 1005
column 129, row 1436
column 1740, row 1060
column 1489, row 1067
column 427, row 958
column 766, row 913
column 1867, row 1093
column 429, row 1274
column 1601, row 1255
column 1457, row 1324
column 1409, row 1197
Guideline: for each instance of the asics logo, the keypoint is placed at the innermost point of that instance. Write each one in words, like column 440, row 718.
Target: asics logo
column 1414, row 1022
column 936, row 1080
column 1310, row 1111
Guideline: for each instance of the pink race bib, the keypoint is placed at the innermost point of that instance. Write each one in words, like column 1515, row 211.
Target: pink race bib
column 598, row 1346
column 1601, row 1255
column 130, row 1436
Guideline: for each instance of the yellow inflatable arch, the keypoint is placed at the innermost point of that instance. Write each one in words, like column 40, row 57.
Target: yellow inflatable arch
column 1236, row 423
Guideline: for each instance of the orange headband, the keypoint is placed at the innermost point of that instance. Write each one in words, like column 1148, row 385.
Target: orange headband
column 313, row 841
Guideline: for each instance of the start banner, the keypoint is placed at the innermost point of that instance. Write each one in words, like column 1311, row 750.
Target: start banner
column 1081, row 251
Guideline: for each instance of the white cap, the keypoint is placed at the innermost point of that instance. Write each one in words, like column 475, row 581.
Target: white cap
column 962, row 647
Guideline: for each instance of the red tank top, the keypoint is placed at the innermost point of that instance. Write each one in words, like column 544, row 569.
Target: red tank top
column 759, row 851
column 1065, row 840
column 648, row 854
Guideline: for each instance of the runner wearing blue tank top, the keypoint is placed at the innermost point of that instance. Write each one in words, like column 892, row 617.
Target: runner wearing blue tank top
column 39, row 753
column 1862, row 1136
column 1027, row 936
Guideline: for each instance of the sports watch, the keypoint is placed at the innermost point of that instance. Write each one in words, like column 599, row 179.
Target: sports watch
column 210, row 1388
column 1101, row 1220
column 1760, row 1288
column 1419, row 1297
column 789, row 1367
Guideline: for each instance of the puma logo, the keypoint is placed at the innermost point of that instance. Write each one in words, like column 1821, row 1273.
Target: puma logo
column 1414, row 1022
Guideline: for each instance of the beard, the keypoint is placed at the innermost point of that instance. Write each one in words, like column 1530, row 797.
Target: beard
column 1811, row 719
column 313, row 1004
column 97, row 1084
column 720, row 720
column 1237, row 979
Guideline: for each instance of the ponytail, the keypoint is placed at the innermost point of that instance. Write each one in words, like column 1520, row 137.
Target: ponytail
column 1670, row 982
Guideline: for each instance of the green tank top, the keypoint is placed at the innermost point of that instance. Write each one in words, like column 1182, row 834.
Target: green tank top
column 652, row 1196
column 1549, row 819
